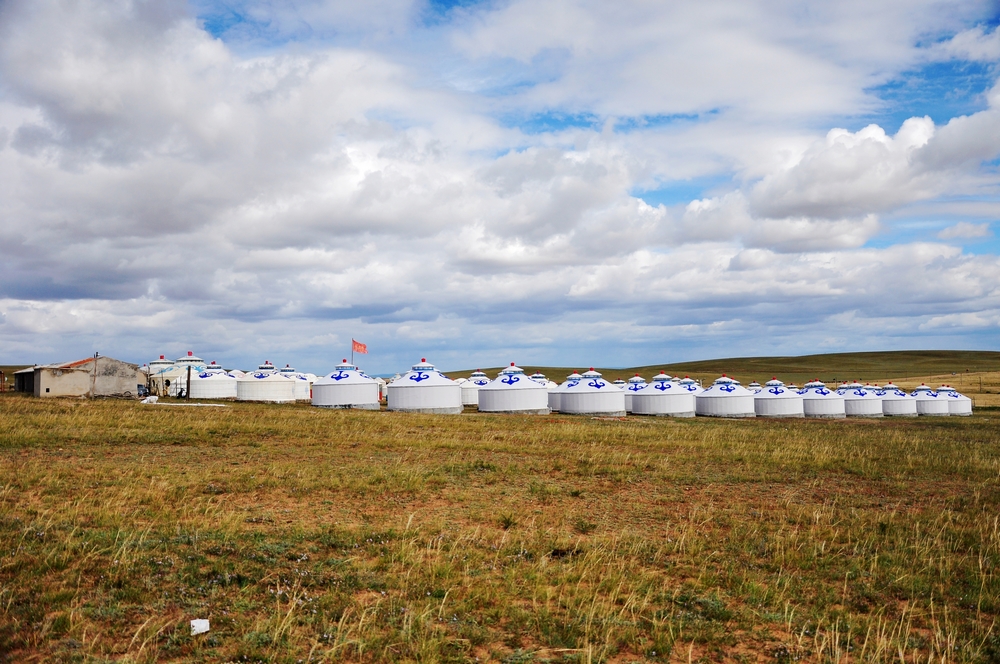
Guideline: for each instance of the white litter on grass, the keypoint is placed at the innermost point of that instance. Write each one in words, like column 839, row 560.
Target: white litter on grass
column 150, row 399
column 199, row 626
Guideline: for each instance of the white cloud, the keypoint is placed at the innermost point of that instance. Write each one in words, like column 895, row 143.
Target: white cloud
column 976, row 44
column 153, row 178
column 964, row 230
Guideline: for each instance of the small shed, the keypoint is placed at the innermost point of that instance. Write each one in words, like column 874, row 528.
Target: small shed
column 96, row 376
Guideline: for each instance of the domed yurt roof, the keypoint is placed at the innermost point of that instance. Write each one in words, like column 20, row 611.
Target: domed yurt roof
column 775, row 389
column 159, row 364
column 479, row 378
column 636, row 382
column 540, row 377
column 191, row 359
column 344, row 373
column 266, row 366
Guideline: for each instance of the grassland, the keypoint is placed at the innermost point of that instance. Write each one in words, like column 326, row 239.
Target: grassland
column 311, row 535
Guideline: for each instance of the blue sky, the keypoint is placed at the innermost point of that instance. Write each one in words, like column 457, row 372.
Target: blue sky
column 549, row 182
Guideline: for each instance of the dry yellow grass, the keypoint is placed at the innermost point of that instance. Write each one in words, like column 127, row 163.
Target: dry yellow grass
column 307, row 534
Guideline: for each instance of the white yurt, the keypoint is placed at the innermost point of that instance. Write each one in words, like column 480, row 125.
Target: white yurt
column 725, row 398
column 896, row 402
column 212, row 366
column 592, row 395
column 265, row 386
column 539, row 377
column 819, row 401
column 775, row 399
column 754, row 386
column 859, row 402
column 470, row 388
column 303, row 387
column 381, row 387
column 236, row 373
column 635, row 383
column 663, row 397
column 210, row 384
column 958, row 403
column 165, row 378
column 930, row 402
column 513, row 392
column 619, row 383
column 423, row 389
column 555, row 394
column 346, row 387
column 266, row 367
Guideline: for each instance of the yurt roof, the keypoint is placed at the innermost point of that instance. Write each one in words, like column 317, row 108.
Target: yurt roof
column 213, row 375
column 263, row 375
column 190, row 358
column 344, row 374
column 590, row 381
column 423, row 374
column 513, row 378
column 723, row 387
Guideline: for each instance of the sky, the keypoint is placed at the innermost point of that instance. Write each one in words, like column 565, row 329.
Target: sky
column 551, row 182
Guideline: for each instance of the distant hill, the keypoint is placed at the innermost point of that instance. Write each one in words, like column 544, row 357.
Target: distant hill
column 830, row 367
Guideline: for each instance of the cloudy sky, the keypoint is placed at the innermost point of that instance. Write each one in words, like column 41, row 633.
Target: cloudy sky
column 568, row 182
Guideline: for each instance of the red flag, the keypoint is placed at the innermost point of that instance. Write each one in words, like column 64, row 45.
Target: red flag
column 358, row 347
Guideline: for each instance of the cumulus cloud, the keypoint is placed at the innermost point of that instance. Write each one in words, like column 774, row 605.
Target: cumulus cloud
column 157, row 182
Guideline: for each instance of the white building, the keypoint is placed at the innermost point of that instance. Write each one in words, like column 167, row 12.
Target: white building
column 818, row 401
column 930, row 402
column 958, row 404
column 896, row 402
column 635, row 383
column 346, row 387
column 470, row 388
column 592, row 395
column 663, row 397
column 555, row 395
column 725, row 398
column 423, row 389
column 776, row 400
column 513, row 392
column 212, row 384
column 859, row 402
column 268, row 386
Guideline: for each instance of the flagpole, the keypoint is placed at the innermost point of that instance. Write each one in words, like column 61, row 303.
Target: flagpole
column 352, row 350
